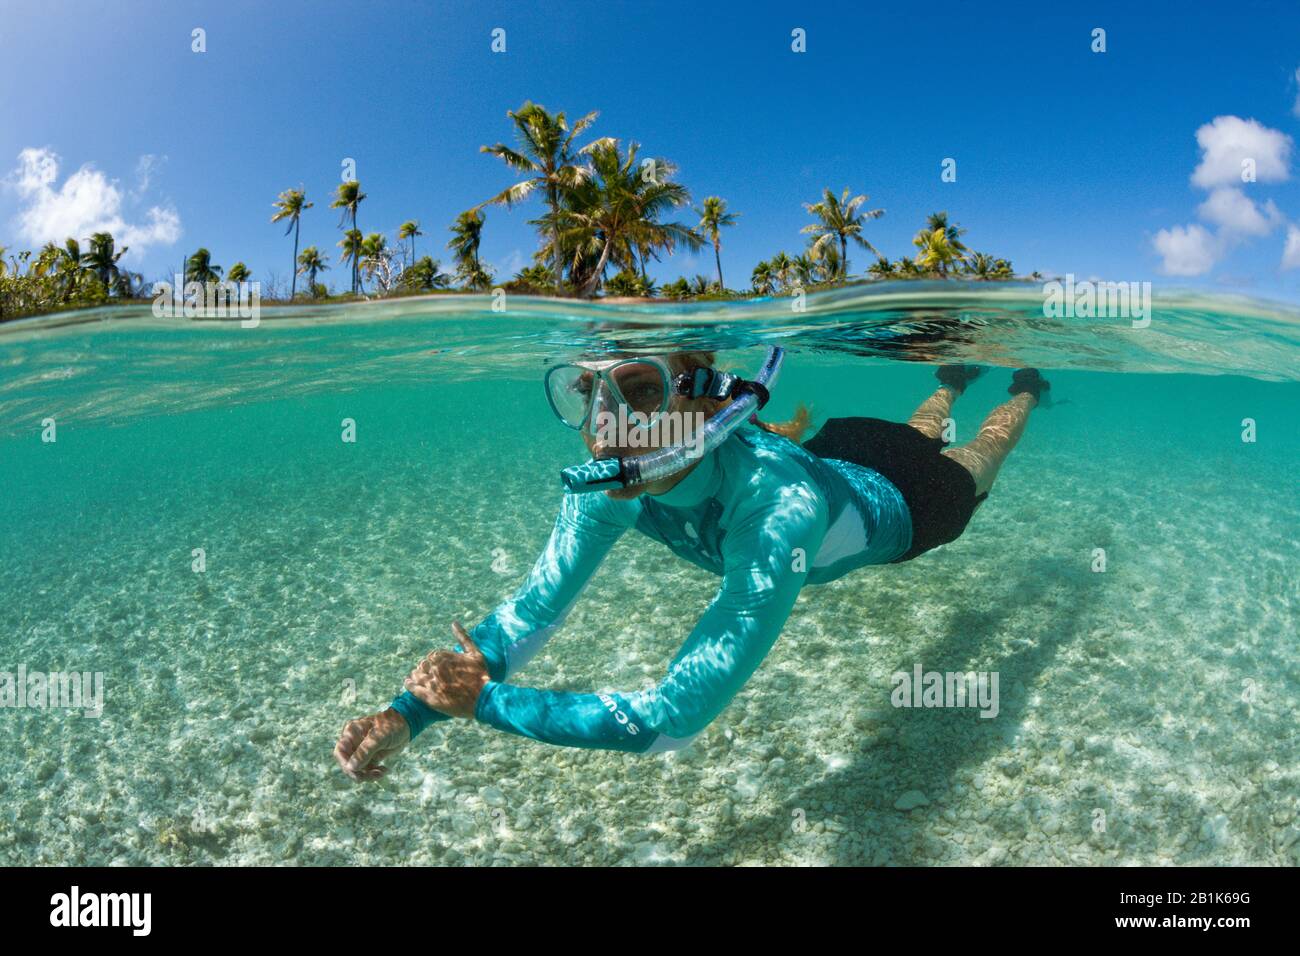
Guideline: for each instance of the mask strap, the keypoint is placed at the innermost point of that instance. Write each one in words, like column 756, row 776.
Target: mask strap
column 710, row 383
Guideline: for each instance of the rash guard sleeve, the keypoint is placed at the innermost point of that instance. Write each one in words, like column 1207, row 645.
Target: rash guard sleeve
column 585, row 530
column 765, row 555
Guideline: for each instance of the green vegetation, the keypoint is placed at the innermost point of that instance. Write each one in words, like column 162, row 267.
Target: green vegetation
column 425, row 275
column 290, row 206
column 548, row 158
column 48, row 283
column 606, row 212
column 466, row 234
column 311, row 262
column 199, row 268
column 409, row 230
column 838, row 220
column 713, row 217
column 348, row 198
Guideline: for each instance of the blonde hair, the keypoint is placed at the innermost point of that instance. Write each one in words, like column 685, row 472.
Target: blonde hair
column 793, row 429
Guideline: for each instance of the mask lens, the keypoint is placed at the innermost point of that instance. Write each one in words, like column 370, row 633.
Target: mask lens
column 642, row 386
column 569, row 389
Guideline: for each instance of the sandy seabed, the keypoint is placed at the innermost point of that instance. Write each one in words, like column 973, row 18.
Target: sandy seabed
column 1148, row 714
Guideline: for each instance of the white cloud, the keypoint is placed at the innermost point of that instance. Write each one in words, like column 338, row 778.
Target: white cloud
column 1230, row 146
column 515, row 262
column 1236, row 215
column 163, row 228
column 1291, row 253
column 145, row 167
column 1187, row 250
column 1227, row 141
column 86, row 202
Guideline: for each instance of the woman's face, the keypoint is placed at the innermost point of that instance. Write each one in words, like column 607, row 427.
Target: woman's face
column 682, row 413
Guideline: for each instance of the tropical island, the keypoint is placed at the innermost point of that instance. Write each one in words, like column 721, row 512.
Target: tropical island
column 605, row 213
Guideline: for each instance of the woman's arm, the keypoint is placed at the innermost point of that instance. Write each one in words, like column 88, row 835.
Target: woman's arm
column 585, row 530
column 759, row 587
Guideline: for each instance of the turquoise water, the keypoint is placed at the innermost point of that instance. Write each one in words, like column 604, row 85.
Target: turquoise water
column 1148, row 712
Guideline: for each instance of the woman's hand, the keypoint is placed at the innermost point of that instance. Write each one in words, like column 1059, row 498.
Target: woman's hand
column 448, row 681
column 367, row 743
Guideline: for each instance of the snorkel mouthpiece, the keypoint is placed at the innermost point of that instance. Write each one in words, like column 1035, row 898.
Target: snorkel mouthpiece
column 605, row 473
column 594, row 475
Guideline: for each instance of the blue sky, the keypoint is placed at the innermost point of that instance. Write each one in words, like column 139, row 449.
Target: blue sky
column 1067, row 160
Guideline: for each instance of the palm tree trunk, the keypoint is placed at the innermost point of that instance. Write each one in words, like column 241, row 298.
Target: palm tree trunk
column 844, row 258
column 293, row 272
column 555, row 234
column 590, row 286
column 356, row 272
column 717, row 257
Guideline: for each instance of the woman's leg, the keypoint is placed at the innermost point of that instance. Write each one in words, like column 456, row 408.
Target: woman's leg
column 983, row 455
column 929, row 417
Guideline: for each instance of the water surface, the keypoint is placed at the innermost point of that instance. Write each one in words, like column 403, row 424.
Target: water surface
column 1148, row 713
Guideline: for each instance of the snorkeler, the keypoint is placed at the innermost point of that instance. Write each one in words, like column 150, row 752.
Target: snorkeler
column 752, row 505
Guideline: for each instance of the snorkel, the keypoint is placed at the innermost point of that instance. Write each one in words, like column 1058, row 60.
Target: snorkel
column 748, row 396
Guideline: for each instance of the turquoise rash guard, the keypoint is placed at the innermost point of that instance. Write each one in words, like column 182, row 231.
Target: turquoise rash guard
column 761, row 512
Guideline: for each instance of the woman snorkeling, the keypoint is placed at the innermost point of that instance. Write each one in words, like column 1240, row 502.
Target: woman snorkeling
column 752, row 505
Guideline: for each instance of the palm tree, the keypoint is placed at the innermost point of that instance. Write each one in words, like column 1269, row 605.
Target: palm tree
column 466, row 234
column 763, row 279
column 351, row 246
column 939, row 220
column 409, row 230
column 980, row 265
column 613, row 217
column 629, row 283
column 377, row 260
column 425, row 275
column 102, row 261
column 348, row 199
column 547, row 157
column 653, row 197
column 840, row 221
column 805, row 269
column 828, row 262
column 701, row 285
column 475, row 276
column 531, row 278
column 235, row 275
column 290, row 206
column 882, row 268
column 312, row 262
column 199, row 268
column 713, row 217
column 782, row 269
column 64, row 263
column 938, row 252
column 47, row 260
column 677, row 289
column 130, row 285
